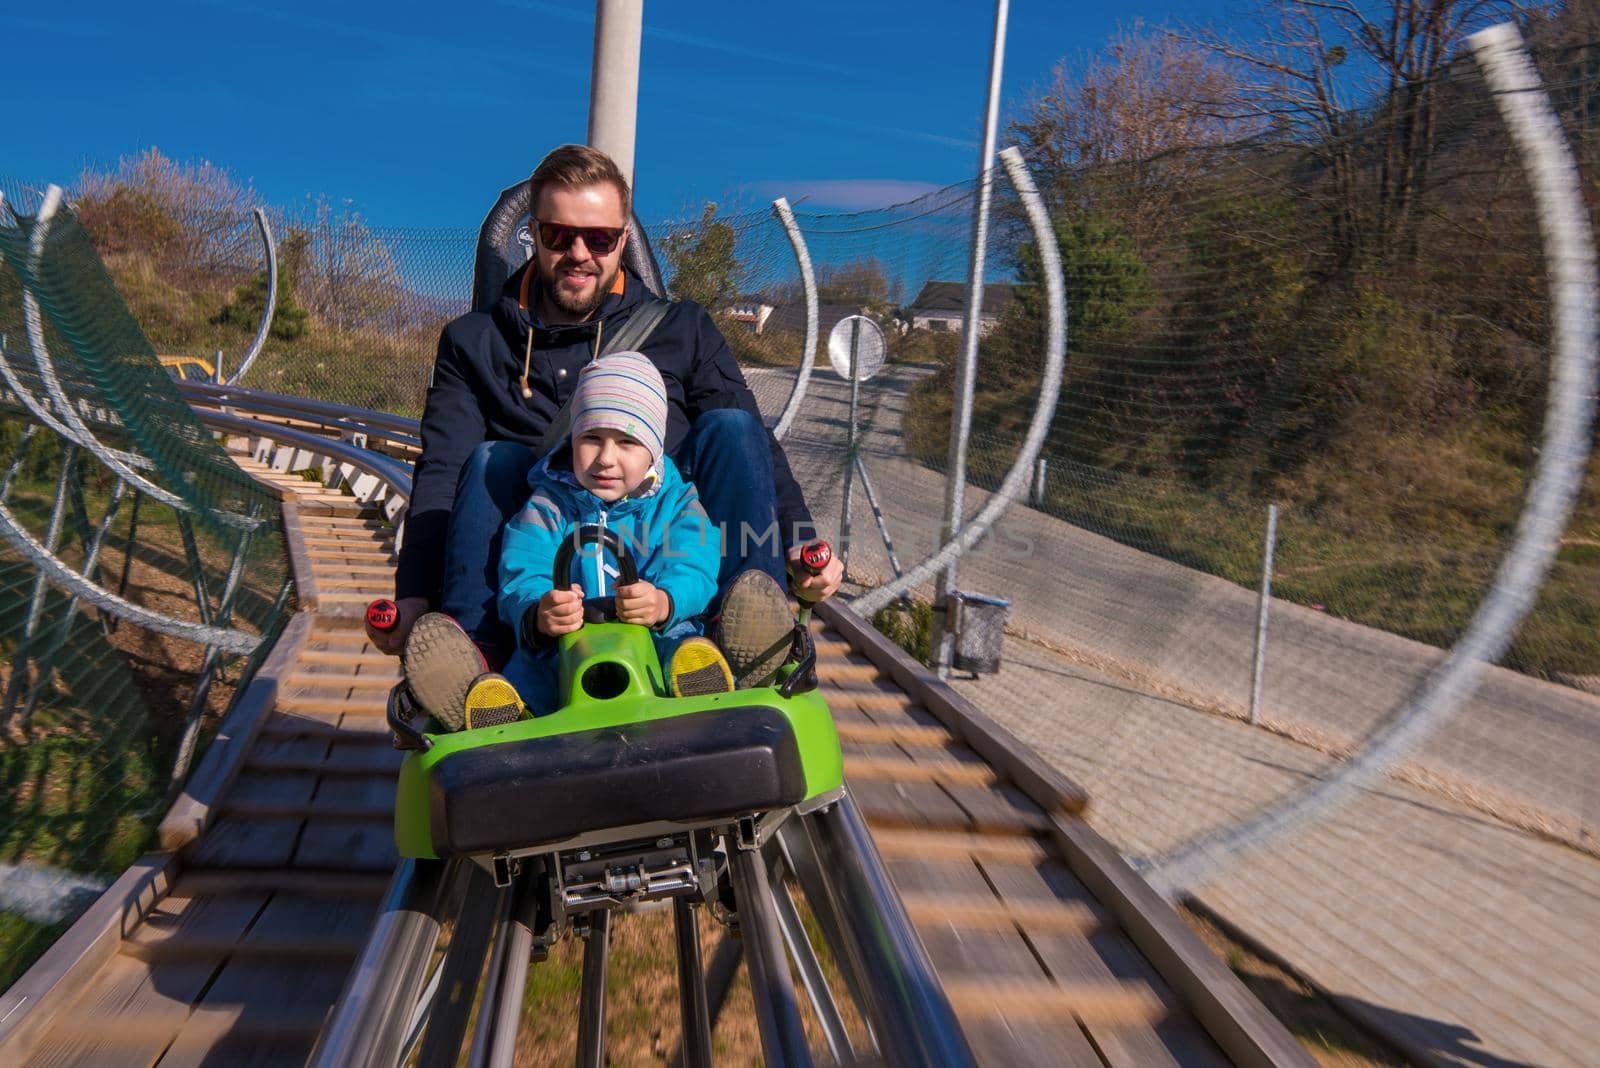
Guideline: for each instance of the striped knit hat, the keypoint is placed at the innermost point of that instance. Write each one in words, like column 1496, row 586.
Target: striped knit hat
column 623, row 391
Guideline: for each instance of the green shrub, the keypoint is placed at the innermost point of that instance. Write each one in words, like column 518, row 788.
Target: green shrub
column 909, row 624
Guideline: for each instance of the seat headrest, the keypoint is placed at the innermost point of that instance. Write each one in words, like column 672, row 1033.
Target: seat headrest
column 505, row 244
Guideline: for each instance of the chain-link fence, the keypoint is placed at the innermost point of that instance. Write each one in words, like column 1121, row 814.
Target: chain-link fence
column 142, row 575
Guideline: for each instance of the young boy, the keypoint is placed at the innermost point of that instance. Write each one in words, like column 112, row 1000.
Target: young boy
column 613, row 473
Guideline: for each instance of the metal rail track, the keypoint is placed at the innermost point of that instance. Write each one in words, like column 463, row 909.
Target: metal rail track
column 279, row 886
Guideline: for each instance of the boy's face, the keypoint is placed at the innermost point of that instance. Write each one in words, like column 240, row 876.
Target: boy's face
column 609, row 463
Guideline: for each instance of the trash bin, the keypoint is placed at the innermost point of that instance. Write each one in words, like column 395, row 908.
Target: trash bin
column 979, row 626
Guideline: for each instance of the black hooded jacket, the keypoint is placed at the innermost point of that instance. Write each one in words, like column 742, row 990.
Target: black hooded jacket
column 476, row 396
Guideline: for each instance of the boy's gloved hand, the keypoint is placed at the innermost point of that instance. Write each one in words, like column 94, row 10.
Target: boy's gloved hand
column 642, row 603
column 561, row 611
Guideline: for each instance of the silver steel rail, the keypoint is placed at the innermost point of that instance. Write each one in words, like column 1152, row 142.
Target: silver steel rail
column 904, row 1002
column 369, row 1024
column 380, row 478
column 364, row 420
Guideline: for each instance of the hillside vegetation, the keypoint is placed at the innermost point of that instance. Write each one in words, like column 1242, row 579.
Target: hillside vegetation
column 1344, row 312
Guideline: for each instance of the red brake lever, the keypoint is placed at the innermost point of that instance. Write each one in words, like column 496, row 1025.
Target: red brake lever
column 382, row 615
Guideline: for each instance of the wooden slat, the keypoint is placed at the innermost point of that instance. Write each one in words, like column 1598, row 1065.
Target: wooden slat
column 907, row 770
column 896, row 733
column 829, row 671
column 310, row 810
column 871, row 700
column 368, row 588
column 339, row 597
column 322, row 947
column 330, row 766
column 335, row 635
column 993, row 913
column 199, row 881
column 125, row 1031
column 346, row 541
column 942, row 844
column 331, row 680
column 287, row 727
column 353, row 658
column 364, row 706
column 382, row 570
column 1118, row 1004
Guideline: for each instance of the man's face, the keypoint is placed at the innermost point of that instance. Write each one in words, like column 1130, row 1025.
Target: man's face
column 579, row 278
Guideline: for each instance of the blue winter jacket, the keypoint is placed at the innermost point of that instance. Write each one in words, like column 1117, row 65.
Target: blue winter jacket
column 674, row 545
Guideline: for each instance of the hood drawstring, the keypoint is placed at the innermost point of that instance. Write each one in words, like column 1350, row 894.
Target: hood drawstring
column 527, row 356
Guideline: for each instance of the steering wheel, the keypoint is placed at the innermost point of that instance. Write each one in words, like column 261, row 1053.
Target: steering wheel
column 595, row 609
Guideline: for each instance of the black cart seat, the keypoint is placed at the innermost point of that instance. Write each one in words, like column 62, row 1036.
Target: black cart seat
column 694, row 768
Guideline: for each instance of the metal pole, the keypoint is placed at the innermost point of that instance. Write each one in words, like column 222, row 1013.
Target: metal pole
column 1039, row 470
column 693, row 1008
column 961, row 411
column 462, row 965
column 877, row 514
column 783, row 1038
column 507, row 1007
column 1262, row 603
column 810, row 969
column 592, row 998
column 850, row 449
column 614, row 80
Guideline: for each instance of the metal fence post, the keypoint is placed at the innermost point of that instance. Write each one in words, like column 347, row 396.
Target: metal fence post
column 850, row 446
column 1039, row 471
column 941, row 639
column 1262, row 604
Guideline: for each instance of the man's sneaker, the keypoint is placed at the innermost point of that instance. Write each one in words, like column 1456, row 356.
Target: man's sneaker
column 441, row 663
column 698, row 667
column 493, row 701
column 757, row 626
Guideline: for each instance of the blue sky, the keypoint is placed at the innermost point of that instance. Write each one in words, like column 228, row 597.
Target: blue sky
column 420, row 113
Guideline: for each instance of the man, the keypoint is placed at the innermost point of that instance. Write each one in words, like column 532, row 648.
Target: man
column 502, row 376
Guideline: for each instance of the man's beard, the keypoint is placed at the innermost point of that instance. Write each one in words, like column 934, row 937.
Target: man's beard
column 579, row 308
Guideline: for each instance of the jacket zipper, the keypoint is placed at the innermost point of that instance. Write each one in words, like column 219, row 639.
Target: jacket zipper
column 600, row 558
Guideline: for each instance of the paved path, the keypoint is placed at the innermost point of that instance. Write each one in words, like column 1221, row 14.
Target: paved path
column 1466, row 941
column 1469, row 941
column 1523, row 748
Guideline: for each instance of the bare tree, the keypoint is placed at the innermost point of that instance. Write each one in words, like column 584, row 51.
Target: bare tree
column 1310, row 58
column 350, row 276
column 189, row 215
column 1132, row 128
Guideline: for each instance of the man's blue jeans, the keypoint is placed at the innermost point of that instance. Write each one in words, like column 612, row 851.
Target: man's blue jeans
column 725, row 455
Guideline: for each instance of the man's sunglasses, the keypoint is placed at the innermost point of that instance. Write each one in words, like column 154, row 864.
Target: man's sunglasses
column 599, row 240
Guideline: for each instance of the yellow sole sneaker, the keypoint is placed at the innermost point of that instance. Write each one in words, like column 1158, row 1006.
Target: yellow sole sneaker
column 698, row 667
column 493, row 702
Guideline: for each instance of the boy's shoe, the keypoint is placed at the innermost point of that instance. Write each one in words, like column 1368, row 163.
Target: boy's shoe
column 698, row 667
column 493, row 701
column 441, row 663
column 757, row 627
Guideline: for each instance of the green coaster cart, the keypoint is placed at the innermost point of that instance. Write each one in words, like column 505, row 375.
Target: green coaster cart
column 624, row 793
